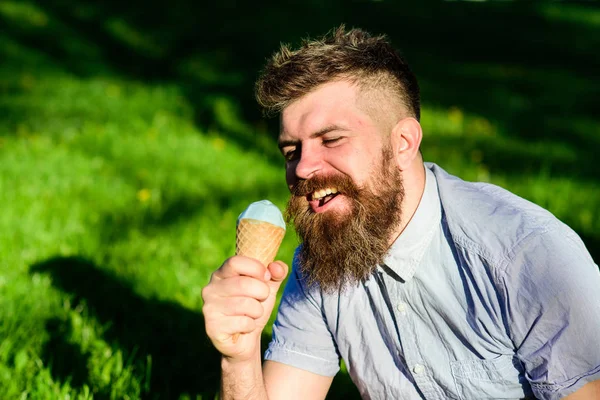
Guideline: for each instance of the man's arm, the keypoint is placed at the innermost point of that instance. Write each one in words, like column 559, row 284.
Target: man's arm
column 287, row 382
column 553, row 305
column 245, row 381
column 590, row 391
column 242, row 380
column 237, row 304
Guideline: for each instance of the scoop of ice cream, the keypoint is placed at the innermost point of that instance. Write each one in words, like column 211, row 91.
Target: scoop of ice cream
column 260, row 230
column 265, row 211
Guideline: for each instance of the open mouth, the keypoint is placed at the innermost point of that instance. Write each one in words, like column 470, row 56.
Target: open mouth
column 321, row 197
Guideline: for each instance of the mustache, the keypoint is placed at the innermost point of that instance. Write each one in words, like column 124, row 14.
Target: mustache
column 342, row 183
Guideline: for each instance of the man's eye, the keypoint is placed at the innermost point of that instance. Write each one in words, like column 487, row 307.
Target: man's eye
column 330, row 141
column 289, row 155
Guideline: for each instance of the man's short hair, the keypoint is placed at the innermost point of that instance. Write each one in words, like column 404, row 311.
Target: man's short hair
column 356, row 56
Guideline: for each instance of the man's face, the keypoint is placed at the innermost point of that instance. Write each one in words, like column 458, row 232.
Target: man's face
column 326, row 133
column 346, row 190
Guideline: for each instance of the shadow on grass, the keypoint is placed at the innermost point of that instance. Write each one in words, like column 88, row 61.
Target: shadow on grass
column 66, row 360
column 183, row 360
column 343, row 388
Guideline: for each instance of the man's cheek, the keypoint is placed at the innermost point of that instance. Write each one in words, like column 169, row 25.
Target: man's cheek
column 290, row 174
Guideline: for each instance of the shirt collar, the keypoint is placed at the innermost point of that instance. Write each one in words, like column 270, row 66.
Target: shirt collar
column 408, row 249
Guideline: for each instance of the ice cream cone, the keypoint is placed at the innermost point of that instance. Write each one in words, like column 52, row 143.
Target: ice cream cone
column 260, row 230
column 258, row 239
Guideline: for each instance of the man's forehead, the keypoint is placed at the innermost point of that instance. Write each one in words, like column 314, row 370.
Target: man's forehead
column 331, row 104
column 334, row 91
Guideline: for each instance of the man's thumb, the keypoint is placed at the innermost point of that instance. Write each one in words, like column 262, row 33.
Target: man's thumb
column 279, row 271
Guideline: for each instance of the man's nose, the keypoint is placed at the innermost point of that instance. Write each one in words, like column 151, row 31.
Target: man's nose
column 310, row 162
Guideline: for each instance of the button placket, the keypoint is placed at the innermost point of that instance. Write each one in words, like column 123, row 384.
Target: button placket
column 409, row 354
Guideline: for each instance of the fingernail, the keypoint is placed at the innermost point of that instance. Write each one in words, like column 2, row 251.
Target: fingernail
column 267, row 275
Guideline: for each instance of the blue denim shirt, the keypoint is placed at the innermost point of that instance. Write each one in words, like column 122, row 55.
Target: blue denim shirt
column 483, row 296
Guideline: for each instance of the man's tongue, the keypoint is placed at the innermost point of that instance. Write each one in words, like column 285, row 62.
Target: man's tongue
column 316, row 204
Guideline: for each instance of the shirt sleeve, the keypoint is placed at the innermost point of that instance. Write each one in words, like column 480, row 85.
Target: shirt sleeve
column 301, row 337
column 552, row 296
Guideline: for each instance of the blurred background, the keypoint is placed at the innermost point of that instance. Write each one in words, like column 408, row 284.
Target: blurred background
column 130, row 142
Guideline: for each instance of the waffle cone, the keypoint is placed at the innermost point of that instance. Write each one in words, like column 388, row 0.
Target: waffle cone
column 258, row 239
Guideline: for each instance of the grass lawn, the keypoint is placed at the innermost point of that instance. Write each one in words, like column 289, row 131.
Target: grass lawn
column 126, row 154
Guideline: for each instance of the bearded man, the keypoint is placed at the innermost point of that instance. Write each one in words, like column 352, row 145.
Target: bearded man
column 428, row 287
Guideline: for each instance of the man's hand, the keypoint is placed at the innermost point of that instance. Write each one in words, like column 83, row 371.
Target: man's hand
column 238, row 302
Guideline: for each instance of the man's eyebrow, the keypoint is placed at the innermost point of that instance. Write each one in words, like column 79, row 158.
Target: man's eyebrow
column 285, row 143
column 293, row 142
column 325, row 130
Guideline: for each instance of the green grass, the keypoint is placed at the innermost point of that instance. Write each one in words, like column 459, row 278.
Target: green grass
column 124, row 164
column 114, row 181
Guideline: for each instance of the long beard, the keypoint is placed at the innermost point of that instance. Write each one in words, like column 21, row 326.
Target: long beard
column 343, row 249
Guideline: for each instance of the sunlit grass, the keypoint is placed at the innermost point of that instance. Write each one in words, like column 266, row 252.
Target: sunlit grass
column 117, row 173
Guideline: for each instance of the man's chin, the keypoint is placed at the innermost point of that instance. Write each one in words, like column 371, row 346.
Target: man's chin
column 332, row 219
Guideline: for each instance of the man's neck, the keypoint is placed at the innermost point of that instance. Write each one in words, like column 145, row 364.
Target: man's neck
column 413, row 180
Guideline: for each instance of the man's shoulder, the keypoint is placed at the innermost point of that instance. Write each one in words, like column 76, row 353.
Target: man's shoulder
column 488, row 219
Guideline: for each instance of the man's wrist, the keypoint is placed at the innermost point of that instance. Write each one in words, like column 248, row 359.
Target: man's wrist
column 240, row 362
column 242, row 378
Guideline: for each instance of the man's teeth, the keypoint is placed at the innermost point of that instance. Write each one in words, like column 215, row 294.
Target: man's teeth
column 319, row 194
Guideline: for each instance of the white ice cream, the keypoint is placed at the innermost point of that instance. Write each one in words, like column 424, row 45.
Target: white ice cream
column 263, row 210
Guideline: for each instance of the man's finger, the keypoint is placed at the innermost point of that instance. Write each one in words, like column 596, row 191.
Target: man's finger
column 278, row 270
column 240, row 265
column 236, row 306
column 240, row 286
column 233, row 326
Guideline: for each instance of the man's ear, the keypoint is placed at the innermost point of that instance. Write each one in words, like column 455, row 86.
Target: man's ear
column 406, row 140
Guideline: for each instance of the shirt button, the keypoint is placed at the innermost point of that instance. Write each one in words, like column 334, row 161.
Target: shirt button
column 418, row 369
column 401, row 308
